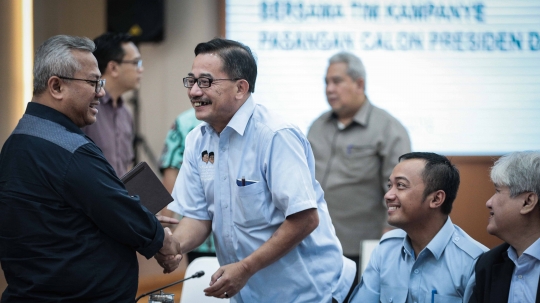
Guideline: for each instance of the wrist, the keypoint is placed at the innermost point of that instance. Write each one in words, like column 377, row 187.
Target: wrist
column 249, row 266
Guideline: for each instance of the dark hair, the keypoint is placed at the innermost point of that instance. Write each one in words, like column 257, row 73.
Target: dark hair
column 238, row 60
column 211, row 154
column 109, row 48
column 205, row 152
column 438, row 174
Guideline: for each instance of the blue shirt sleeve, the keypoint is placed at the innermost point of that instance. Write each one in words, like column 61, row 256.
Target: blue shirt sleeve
column 288, row 175
column 188, row 188
column 369, row 288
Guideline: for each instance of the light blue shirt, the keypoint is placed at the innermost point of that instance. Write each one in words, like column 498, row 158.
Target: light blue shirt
column 276, row 161
column 526, row 274
column 445, row 266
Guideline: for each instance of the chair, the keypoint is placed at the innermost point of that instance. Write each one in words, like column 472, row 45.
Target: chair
column 366, row 248
column 192, row 290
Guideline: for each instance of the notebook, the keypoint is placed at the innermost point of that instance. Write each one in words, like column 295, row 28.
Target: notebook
column 142, row 181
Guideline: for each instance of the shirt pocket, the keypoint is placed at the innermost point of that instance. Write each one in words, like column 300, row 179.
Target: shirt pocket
column 251, row 205
column 394, row 294
column 443, row 299
column 360, row 162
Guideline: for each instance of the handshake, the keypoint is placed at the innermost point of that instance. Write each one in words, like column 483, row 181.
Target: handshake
column 170, row 254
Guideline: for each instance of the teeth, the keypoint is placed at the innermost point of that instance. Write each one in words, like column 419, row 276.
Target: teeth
column 392, row 207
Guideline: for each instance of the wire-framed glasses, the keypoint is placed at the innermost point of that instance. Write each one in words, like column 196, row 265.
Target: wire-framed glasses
column 98, row 84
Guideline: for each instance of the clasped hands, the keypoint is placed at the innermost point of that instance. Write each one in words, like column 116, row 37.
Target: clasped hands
column 170, row 254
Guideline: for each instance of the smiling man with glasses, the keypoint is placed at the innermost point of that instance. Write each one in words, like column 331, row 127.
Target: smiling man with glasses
column 69, row 230
column 258, row 195
column 98, row 84
column 121, row 66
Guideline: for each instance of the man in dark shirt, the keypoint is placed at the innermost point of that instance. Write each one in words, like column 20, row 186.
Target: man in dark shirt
column 120, row 63
column 68, row 228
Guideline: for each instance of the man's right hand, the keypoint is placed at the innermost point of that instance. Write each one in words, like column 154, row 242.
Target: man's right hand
column 170, row 255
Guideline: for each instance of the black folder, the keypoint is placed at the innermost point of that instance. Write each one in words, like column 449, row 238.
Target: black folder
column 142, row 181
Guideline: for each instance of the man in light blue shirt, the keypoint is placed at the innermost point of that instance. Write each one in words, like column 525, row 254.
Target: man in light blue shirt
column 510, row 272
column 274, row 238
column 428, row 259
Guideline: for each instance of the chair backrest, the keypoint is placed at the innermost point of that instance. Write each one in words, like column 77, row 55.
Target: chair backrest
column 192, row 290
column 366, row 248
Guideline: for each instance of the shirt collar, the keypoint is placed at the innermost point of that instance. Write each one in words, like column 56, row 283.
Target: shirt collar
column 437, row 245
column 107, row 99
column 240, row 119
column 362, row 116
column 533, row 251
column 51, row 114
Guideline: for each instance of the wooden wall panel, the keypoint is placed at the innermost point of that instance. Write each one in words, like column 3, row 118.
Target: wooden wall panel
column 469, row 211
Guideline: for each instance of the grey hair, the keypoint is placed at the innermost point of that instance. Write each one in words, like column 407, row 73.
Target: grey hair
column 54, row 58
column 520, row 171
column 355, row 67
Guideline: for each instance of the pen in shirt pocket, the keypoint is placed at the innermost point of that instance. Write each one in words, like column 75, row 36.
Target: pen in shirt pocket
column 433, row 292
column 244, row 182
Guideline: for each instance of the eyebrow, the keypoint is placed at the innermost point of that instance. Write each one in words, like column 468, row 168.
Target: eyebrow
column 206, row 75
column 96, row 76
column 400, row 179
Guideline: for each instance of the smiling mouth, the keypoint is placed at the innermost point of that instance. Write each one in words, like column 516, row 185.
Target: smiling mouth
column 393, row 207
column 198, row 103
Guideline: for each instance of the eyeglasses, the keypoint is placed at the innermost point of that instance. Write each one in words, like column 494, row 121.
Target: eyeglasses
column 137, row 62
column 98, row 84
column 202, row 82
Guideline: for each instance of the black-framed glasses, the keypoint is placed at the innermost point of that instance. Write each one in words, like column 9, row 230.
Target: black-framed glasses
column 202, row 82
column 98, row 84
column 137, row 62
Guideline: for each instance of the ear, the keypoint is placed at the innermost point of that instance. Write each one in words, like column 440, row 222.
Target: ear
column 242, row 89
column 436, row 199
column 112, row 68
column 360, row 84
column 531, row 199
column 56, row 87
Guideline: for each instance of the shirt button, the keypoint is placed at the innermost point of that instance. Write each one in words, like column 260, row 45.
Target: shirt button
column 456, row 239
column 226, row 205
column 390, row 300
column 225, row 178
column 416, row 271
column 520, row 276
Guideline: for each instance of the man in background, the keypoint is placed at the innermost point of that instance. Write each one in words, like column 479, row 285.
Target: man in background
column 428, row 259
column 120, row 64
column 274, row 238
column 171, row 160
column 510, row 272
column 356, row 145
column 69, row 230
